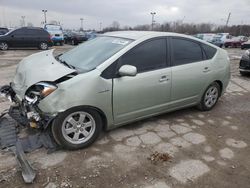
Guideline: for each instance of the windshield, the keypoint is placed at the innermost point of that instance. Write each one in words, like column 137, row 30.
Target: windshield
column 90, row 54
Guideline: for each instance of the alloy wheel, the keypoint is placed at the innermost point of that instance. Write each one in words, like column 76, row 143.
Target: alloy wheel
column 211, row 96
column 78, row 127
column 4, row 46
column 44, row 46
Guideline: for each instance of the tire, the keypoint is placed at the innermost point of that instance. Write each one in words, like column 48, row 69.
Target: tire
column 244, row 73
column 210, row 97
column 43, row 46
column 4, row 46
column 72, row 132
column 73, row 43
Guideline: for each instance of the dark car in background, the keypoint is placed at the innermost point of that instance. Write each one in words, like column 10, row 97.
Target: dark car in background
column 74, row 38
column 26, row 37
column 3, row 30
column 245, row 64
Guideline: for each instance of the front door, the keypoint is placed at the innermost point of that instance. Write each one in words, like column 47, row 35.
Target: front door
column 149, row 91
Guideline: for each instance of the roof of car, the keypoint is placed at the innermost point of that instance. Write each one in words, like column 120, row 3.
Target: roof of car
column 135, row 35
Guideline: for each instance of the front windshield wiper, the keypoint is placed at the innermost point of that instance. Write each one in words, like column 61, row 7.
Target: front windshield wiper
column 64, row 62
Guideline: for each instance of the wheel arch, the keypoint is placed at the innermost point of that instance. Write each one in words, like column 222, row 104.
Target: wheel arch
column 102, row 114
column 220, row 84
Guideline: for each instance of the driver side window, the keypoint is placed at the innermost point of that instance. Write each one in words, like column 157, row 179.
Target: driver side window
column 148, row 56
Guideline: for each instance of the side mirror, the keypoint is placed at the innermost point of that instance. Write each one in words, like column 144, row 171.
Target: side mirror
column 127, row 70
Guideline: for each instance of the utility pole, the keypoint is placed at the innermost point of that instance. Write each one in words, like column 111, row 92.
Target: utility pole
column 241, row 27
column 45, row 19
column 100, row 26
column 153, row 21
column 228, row 18
column 23, row 21
column 81, row 29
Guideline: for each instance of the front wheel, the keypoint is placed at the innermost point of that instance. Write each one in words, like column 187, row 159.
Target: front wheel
column 4, row 46
column 210, row 97
column 77, row 128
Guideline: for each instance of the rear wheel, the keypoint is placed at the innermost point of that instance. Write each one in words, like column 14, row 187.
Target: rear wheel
column 4, row 46
column 43, row 46
column 210, row 97
column 77, row 128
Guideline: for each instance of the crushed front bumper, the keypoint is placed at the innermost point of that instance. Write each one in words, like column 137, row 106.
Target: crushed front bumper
column 21, row 115
column 24, row 112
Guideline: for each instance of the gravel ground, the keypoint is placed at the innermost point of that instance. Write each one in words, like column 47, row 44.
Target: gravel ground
column 205, row 149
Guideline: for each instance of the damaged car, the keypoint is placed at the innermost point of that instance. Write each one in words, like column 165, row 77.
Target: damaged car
column 115, row 79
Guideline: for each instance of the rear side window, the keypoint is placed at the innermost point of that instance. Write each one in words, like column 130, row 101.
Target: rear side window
column 148, row 56
column 209, row 51
column 185, row 51
column 19, row 32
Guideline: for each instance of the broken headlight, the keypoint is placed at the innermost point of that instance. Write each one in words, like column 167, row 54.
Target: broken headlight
column 39, row 91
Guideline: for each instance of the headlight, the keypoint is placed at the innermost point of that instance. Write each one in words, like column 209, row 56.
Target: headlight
column 39, row 91
column 46, row 88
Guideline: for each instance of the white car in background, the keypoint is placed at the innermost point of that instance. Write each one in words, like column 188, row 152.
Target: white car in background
column 56, row 33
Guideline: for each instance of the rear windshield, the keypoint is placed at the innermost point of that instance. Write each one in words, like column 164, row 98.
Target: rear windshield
column 52, row 27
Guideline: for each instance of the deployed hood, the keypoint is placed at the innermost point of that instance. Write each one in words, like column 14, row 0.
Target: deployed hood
column 36, row 68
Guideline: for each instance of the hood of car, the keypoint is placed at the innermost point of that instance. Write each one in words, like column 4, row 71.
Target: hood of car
column 36, row 68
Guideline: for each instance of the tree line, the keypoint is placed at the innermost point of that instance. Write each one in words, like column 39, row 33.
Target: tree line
column 186, row 28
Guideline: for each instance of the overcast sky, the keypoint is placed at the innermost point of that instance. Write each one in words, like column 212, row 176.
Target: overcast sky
column 126, row 12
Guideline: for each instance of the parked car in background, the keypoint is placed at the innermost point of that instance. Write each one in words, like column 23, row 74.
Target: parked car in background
column 91, row 35
column 115, row 79
column 3, row 30
column 74, row 38
column 55, row 32
column 208, row 37
column 26, row 37
column 220, row 38
column 217, row 42
column 235, row 42
column 245, row 45
column 245, row 64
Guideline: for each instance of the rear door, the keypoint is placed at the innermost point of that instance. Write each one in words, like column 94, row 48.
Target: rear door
column 190, row 71
column 149, row 91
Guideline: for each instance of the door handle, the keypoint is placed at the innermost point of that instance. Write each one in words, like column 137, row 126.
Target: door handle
column 206, row 69
column 164, row 78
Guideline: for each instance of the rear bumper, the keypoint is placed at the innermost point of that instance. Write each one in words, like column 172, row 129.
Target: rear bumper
column 57, row 39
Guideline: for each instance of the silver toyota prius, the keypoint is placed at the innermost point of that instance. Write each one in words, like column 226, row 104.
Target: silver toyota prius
column 115, row 79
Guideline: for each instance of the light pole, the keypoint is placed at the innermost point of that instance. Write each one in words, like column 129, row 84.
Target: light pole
column 44, row 12
column 81, row 29
column 153, row 15
column 23, row 21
